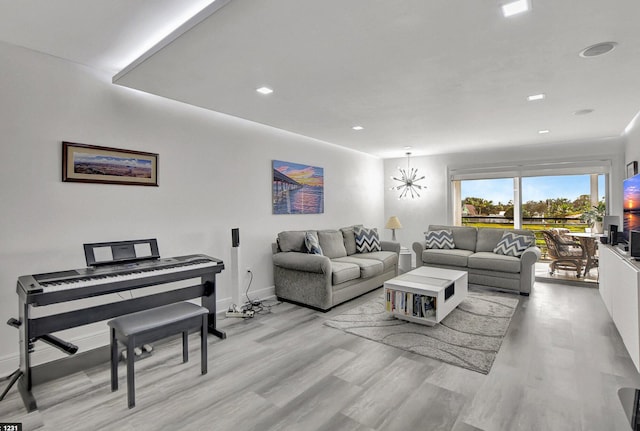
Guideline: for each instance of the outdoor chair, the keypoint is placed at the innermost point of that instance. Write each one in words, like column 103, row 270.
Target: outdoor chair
column 562, row 236
column 566, row 256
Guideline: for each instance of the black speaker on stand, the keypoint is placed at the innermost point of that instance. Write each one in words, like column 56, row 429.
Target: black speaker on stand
column 235, row 237
column 234, row 266
column 634, row 244
column 613, row 234
column 609, row 220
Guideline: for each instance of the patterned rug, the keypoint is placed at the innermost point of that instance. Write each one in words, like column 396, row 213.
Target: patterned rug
column 469, row 337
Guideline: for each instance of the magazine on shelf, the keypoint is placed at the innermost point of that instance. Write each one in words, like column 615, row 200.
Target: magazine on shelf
column 410, row 304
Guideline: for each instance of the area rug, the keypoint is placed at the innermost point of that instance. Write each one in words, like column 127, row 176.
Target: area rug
column 469, row 337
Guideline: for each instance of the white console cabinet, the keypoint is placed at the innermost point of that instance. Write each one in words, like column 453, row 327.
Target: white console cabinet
column 620, row 291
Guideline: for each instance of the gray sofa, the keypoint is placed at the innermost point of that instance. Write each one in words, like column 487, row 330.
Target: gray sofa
column 339, row 274
column 474, row 253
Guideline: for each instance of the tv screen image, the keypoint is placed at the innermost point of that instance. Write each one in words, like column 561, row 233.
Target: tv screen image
column 631, row 199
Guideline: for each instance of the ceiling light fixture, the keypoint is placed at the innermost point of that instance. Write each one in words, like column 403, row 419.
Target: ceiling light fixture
column 264, row 90
column 408, row 178
column 598, row 49
column 543, row 132
column 536, row 97
column 515, row 8
column 357, row 127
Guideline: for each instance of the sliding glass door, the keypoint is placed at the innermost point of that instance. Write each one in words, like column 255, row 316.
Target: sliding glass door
column 532, row 202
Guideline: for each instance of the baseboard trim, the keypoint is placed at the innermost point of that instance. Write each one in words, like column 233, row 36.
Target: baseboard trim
column 265, row 294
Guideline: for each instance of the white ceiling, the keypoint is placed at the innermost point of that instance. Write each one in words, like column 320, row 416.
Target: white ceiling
column 440, row 76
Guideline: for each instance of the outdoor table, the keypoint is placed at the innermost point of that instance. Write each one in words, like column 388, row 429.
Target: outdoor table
column 589, row 245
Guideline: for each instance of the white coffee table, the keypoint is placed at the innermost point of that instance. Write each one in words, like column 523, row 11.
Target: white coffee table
column 425, row 295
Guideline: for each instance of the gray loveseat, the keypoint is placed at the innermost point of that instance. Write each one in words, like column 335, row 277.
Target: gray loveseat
column 474, row 253
column 339, row 274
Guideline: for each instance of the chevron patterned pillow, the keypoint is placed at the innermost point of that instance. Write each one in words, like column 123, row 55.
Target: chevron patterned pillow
column 442, row 239
column 367, row 240
column 513, row 244
column 312, row 243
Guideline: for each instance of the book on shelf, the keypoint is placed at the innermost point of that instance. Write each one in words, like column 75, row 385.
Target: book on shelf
column 417, row 306
column 410, row 304
column 427, row 306
column 388, row 300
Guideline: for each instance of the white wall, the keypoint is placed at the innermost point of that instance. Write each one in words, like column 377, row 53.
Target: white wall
column 434, row 205
column 214, row 175
column 632, row 146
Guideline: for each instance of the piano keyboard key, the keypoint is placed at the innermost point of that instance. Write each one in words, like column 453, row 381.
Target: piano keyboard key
column 48, row 287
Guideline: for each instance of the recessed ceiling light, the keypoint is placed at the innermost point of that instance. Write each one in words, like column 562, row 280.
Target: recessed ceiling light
column 515, row 7
column 264, row 90
column 357, row 127
column 583, row 112
column 408, row 147
column 542, row 132
column 598, row 49
column 536, row 97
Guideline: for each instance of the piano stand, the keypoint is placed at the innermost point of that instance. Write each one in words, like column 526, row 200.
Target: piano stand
column 31, row 294
column 218, row 333
column 14, row 378
column 210, row 293
column 27, row 396
column 28, row 399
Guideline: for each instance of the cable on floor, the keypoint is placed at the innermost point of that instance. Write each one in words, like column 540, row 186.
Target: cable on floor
column 257, row 306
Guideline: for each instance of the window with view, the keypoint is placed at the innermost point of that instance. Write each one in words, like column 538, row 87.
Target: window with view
column 487, row 202
column 573, row 202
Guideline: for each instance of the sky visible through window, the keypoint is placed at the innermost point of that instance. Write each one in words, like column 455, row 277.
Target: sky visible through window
column 533, row 188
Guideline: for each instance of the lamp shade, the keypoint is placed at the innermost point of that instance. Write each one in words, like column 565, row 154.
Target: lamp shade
column 393, row 223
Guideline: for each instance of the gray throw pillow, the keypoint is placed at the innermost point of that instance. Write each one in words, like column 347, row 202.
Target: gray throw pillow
column 440, row 239
column 513, row 244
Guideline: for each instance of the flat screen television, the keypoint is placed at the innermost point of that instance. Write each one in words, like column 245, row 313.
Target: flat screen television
column 631, row 210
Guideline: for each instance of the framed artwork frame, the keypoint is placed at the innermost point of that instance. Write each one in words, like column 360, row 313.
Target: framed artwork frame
column 84, row 163
column 632, row 169
column 297, row 188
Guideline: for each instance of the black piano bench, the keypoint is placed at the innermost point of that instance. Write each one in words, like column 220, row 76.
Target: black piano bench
column 151, row 325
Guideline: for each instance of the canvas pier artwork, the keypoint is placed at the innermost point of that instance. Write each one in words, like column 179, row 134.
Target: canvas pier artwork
column 297, row 188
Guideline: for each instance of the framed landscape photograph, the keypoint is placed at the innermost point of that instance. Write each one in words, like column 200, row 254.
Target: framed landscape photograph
column 92, row 164
column 297, row 189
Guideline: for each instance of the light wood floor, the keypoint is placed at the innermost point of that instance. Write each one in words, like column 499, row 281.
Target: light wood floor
column 559, row 368
column 566, row 276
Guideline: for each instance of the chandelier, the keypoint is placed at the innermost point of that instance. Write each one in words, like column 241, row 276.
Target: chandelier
column 409, row 179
